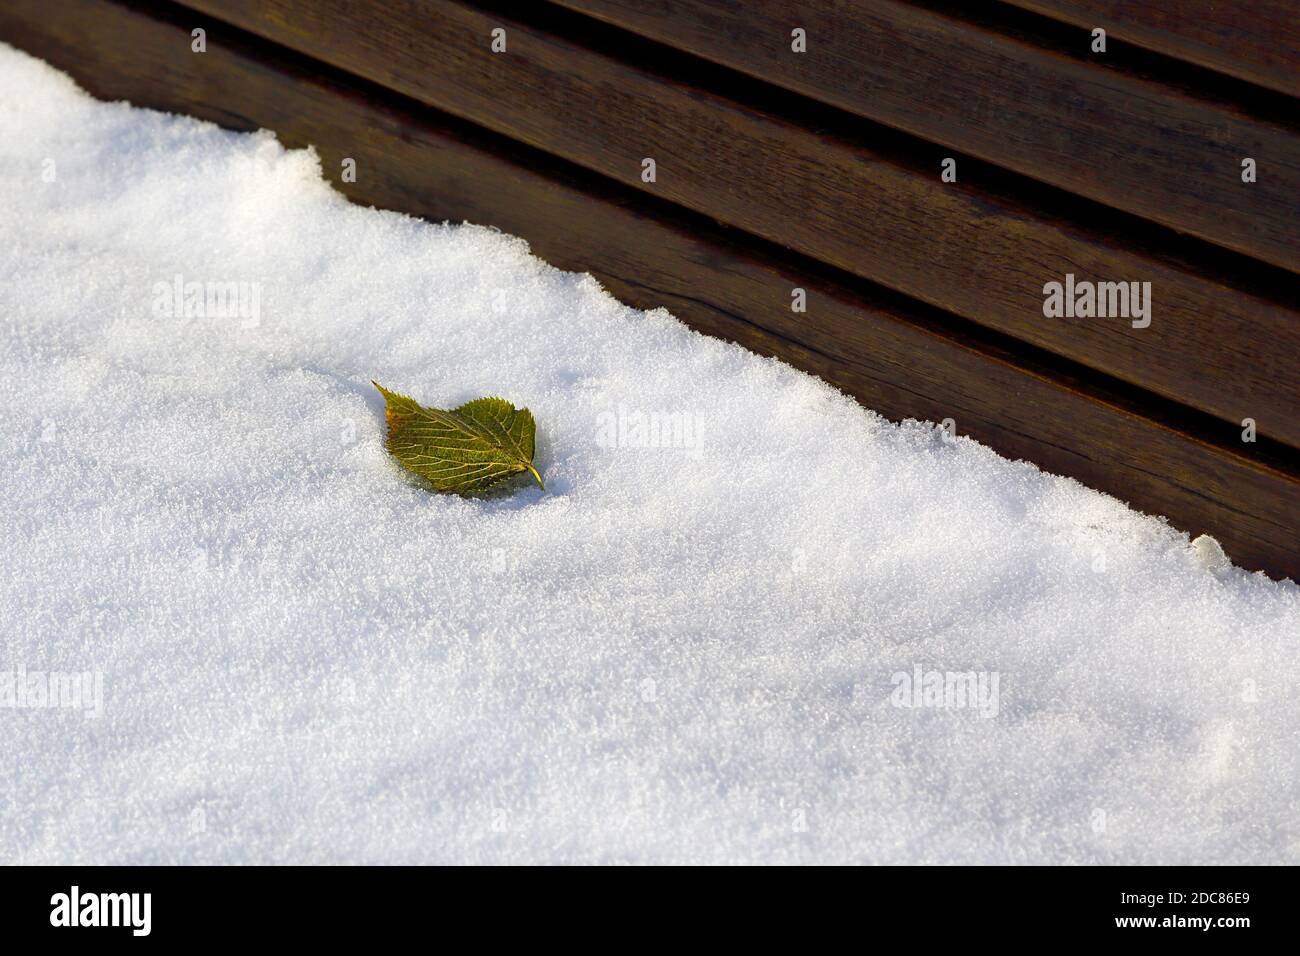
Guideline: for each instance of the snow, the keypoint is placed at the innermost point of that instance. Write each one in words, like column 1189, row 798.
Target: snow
column 705, row 647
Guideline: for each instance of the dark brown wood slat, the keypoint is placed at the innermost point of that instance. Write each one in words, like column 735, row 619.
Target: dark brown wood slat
column 898, row 361
column 1253, row 40
column 1127, row 142
column 982, row 256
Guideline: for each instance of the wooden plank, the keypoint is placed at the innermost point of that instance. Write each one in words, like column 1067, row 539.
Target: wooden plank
column 1128, row 142
column 896, row 357
column 982, row 255
column 1253, row 40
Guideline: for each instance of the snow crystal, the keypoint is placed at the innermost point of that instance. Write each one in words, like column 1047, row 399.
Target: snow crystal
column 748, row 620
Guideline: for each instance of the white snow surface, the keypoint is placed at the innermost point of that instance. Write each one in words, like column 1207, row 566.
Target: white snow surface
column 673, row 654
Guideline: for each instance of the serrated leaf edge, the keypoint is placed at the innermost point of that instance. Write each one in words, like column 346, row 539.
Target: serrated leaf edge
column 453, row 419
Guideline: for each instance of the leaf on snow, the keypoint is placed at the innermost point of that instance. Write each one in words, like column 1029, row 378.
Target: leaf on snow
column 464, row 450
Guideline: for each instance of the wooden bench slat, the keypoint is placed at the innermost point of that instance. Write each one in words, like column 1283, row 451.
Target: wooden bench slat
column 1128, row 142
column 980, row 255
column 898, row 361
column 1253, row 40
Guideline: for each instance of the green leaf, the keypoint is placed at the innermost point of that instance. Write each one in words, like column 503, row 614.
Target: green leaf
column 464, row 450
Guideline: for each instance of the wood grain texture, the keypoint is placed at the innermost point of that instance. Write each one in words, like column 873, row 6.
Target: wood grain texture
column 979, row 255
column 1253, row 40
column 894, row 356
column 1124, row 141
